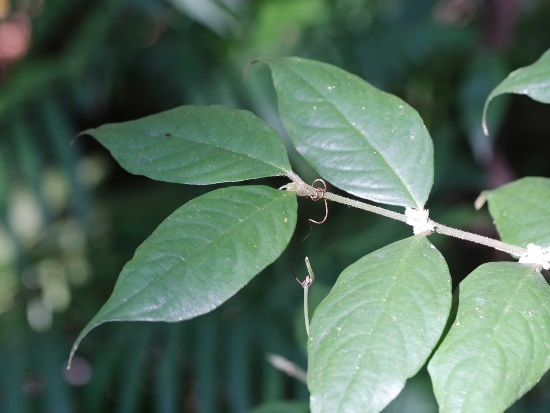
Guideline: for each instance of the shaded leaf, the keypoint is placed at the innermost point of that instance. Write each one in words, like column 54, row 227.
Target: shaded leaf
column 497, row 348
column 196, row 145
column 521, row 211
column 377, row 327
column 201, row 255
column 532, row 80
column 364, row 141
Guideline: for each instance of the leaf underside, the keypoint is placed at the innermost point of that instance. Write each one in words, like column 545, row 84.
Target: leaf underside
column 201, row 255
column 377, row 327
column 497, row 348
column 196, row 145
column 364, row 141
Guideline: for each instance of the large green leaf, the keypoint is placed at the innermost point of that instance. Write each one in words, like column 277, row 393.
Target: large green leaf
column 521, row 211
column 532, row 80
column 377, row 327
column 196, row 145
column 497, row 348
column 364, row 141
column 201, row 255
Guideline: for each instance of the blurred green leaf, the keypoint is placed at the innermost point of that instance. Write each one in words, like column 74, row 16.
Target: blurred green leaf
column 280, row 23
column 497, row 348
column 377, row 327
column 15, row 363
column 128, row 398
column 58, row 128
column 201, row 255
column 110, row 363
column 196, row 145
column 49, row 360
column 4, row 181
column 207, row 363
column 481, row 76
column 239, row 381
column 167, row 390
column 213, row 14
column 29, row 82
column 532, row 80
column 364, row 141
column 521, row 211
column 287, row 406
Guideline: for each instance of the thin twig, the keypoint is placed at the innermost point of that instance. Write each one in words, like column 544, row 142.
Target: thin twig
column 285, row 365
column 310, row 277
column 303, row 189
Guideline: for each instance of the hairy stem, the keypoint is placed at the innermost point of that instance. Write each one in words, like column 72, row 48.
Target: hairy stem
column 513, row 250
column 302, row 189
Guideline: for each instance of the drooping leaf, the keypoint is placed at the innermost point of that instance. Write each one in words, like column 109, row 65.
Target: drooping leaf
column 497, row 348
column 196, row 145
column 364, row 141
column 521, row 211
column 377, row 327
column 201, row 255
column 532, row 80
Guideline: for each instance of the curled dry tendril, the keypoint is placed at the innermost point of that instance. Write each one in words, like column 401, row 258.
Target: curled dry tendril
column 319, row 194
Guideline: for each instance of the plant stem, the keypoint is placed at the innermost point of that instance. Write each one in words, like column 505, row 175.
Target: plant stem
column 302, row 189
column 513, row 250
column 364, row 206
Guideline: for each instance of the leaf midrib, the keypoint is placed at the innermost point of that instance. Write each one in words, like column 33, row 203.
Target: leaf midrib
column 497, row 326
column 403, row 263
column 194, row 253
column 350, row 124
column 150, row 142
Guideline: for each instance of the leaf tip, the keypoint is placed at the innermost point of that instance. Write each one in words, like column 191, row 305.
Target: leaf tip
column 91, row 325
column 250, row 64
column 72, row 353
column 480, row 200
column 78, row 135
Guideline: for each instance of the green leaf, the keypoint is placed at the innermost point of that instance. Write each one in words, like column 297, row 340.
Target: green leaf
column 201, row 255
column 377, row 327
column 521, row 211
column 196, row 145
column 497, row 348
column 364, row 141
column 532, row 80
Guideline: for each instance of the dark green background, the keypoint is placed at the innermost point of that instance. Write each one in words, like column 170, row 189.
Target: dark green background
column 70, row 217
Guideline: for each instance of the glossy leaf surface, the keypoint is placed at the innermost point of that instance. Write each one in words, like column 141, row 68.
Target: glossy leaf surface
column 201, row 255
column 521, row 211
column 196, row 145
column 364, row 141
column 532, row 80
column 497, row 348
column 377, row 327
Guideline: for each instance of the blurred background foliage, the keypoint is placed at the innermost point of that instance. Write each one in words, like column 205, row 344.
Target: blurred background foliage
column 70, row 217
